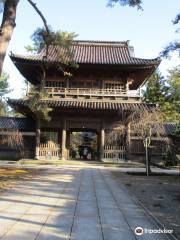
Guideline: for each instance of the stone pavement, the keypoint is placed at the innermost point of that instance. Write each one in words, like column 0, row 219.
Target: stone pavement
column 72, row 202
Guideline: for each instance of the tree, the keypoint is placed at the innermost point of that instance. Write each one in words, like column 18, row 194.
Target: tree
column 172, row 46
column 43, row 38
column 155, row 89
column 8, row 24
column 4, row 85
column 176, row 139
column 7, row 27
column 9, row 18
column 145, row 124
column 42, row 41
column 4, row 89
column 173, row 96
column 166, row 93
column 174, row 84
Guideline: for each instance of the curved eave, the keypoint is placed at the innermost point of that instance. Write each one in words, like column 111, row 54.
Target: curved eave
column 31, row 68
column 30, row 71
column 21, row 105
column 38, row 60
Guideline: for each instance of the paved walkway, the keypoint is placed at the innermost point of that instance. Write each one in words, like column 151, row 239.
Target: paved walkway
column 72, row 202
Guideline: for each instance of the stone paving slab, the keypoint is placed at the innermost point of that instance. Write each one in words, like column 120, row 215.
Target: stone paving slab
column 74, row 203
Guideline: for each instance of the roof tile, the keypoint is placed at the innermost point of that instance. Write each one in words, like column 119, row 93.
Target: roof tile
column 9, row 123
column 89, row 52
column 79, row 104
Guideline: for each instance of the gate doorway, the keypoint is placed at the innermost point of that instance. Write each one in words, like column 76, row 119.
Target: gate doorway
column 83, row 144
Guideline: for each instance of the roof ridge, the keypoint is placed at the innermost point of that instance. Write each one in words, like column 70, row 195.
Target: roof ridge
column 140, row 58
column 97, row 42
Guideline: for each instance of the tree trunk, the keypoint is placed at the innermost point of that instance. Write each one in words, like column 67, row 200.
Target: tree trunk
column 7, row 27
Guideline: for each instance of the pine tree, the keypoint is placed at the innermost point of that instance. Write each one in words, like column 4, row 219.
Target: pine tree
column 172, row 103
column 3, row 90
column 155, row 89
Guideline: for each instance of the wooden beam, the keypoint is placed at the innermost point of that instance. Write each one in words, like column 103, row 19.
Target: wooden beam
column 102, row 141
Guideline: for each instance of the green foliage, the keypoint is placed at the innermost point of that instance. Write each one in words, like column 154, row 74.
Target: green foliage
column 165, row 93
column 171, row 47
column 42, row 111
column 131, row 3
column 4, row 84
column 42, row 39
column 3, row 90
column 155, row 89
column 174, row 84
column 173, row 96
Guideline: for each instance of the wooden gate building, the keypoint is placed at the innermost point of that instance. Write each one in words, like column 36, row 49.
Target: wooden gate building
column 103, row 90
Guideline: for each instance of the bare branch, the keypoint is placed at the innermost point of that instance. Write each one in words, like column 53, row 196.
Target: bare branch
column 41, row 15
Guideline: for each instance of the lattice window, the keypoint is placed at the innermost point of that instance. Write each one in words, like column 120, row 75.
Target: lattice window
column 114, row 85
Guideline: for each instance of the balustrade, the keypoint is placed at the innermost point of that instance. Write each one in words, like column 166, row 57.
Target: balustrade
column 91, row 92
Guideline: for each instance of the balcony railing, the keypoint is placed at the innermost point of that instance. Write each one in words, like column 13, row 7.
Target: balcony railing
column 91, row 92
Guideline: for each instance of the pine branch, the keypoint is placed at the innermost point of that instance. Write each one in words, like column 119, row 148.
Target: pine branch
column 41, row 15
column 177, row 19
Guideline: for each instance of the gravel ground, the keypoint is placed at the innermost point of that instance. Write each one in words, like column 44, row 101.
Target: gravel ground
column 159, row 194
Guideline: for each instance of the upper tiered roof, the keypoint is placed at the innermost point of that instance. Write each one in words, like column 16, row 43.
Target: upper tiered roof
column 91, row 56
column 90, row 52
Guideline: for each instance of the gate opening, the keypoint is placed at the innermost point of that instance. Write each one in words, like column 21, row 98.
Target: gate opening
column 83, row 145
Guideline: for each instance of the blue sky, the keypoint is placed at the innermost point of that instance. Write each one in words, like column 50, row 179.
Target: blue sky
column 148, row 30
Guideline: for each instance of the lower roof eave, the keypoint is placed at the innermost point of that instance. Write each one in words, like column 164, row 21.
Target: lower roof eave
column 22, row 105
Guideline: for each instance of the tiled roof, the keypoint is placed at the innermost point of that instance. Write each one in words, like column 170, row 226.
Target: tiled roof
column 91, row 105
column 164, row 129
column 9, row 123
column 90, row 52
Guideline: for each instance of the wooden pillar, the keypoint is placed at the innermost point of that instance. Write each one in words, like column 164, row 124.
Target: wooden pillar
column 102, row 141
column 38, row 133
column 68, row 144
column 128, row 141
column 67, row 83
column 63, row 140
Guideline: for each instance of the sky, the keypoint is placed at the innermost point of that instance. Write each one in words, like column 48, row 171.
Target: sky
column 148, row 31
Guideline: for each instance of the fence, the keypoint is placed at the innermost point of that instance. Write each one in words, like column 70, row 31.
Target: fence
column 159, row 146
column 49, row 151
column 114, row 153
